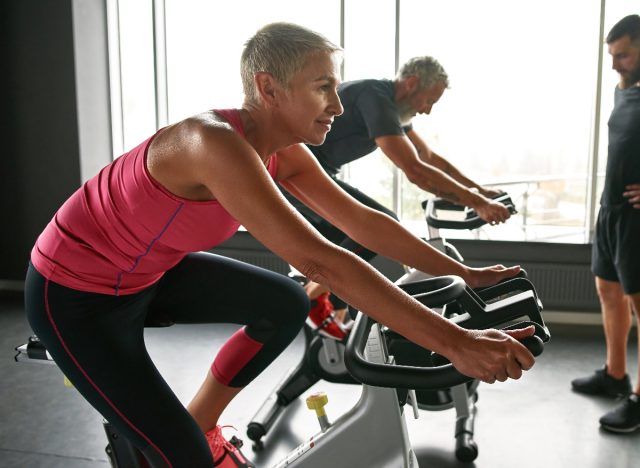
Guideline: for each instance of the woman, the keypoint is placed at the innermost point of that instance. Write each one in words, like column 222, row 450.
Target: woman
column 120, row 252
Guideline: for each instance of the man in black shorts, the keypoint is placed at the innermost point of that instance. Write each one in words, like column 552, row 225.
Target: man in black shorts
column 616, row 245
column 377, row 114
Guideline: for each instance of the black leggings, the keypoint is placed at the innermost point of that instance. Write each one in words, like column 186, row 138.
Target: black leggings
column 97, row 341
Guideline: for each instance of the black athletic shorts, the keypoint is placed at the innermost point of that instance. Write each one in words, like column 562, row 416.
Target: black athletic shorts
column 616, row 247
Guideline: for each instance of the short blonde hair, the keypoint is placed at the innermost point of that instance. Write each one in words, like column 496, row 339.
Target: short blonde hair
column 280, row 49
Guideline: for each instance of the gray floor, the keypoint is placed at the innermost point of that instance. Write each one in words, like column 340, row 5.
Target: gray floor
column 536, row 421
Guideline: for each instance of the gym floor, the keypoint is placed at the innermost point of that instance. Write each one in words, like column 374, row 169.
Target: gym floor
column 536, row 421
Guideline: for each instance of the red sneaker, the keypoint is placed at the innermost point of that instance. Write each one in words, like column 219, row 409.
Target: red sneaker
column 322, row 318
column 226, row 453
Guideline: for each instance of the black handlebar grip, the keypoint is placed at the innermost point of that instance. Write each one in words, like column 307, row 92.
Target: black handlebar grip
column 472, row 219
column 534, row 343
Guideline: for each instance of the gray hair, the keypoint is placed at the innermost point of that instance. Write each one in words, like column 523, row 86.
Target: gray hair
column 280, row 49
column 427, row 69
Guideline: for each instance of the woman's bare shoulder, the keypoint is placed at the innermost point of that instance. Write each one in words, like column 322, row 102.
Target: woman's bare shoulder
column 207, row 122
column 187, row 135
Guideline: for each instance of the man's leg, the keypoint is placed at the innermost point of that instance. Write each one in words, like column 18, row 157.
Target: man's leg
column 626, row 416
column 634, row 299
column 616, row 316
column 612, row 380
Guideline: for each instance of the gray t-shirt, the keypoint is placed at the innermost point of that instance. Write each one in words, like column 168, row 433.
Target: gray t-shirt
column 623, row 163
column 369, row 112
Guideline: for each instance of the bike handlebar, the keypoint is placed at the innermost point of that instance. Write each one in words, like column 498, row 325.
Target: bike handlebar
column 471, row 220
column 433, row 293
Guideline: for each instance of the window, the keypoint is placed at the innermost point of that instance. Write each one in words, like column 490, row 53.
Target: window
column 205, row 41
column 519, row 110
column 370, row 53
column 526, row 111
column 132, row 70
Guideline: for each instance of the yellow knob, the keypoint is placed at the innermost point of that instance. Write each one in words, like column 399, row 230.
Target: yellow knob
column 67, row 382
column 316, row 402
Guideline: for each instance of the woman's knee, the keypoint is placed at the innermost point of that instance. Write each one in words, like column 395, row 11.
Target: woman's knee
column 294, row 303
column 282, row 313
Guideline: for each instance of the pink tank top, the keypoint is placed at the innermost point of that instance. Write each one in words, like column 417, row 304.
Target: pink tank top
column 120, row 231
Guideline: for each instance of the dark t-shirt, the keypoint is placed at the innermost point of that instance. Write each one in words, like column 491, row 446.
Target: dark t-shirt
column 623, row 163
column 369, row 112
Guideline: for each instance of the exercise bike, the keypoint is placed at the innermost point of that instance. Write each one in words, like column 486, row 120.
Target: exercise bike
column 443, row 214
column 387, row 386
column 323, row 358
column 377, row 421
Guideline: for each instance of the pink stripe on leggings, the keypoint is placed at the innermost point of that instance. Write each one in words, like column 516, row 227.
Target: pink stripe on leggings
column 234, row 355
column 75, row 361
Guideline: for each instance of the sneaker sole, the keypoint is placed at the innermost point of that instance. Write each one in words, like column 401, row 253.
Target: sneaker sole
column 601, row 394
column 620, row 430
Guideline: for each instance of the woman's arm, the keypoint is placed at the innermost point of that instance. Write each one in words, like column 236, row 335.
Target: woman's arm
column 304, row 178
column 229, row 167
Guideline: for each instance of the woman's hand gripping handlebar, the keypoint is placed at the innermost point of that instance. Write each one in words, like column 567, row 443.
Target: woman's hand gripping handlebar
column 485, row 359
column 476, row 358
